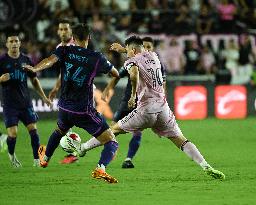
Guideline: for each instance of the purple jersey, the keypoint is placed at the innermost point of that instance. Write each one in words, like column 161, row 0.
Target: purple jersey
column 15, row 91
column 79, row 66
column 150, row 89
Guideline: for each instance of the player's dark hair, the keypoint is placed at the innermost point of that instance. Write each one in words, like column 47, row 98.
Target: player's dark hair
column 12, row 33
column 64, row 21
column 148, row 39
column 134, row 40
column 81, row 31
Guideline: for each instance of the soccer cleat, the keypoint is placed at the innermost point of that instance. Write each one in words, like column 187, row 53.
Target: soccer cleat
column 127, row 164
column 36, row 163
column 216, row 174
column 99, row 173
column 41, row 154
column 14, row 161
column 3, row 144
column 69, row 159
column 76, row 146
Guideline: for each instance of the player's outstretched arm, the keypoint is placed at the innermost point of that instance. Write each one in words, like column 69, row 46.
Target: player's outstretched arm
column 110, row 86
column 55, row 89
column 36, row 84
column 134, row 77
column 44, row 64
column 118, row 48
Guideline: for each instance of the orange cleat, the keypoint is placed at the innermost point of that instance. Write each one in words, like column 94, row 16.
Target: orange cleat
column 41, row 153
column 69, row 159
column 99, row 173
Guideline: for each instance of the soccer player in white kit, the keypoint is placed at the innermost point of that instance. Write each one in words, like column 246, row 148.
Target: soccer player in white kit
column 152, row 108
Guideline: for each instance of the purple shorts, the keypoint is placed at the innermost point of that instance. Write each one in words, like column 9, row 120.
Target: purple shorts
column 92, row 122
column 12, row 116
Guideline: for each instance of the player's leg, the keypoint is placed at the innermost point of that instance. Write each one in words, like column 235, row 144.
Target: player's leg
column 45, row 153
column 11, row 123
column 135, row 140
column 35, row 142
column 11, row 142
column 192, row 152
column 107, row 138
column 134, row 145
column 29, row 119
column 172, row 131
column 96, row 125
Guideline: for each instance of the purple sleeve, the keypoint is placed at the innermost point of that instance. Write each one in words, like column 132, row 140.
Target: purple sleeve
column 104, row 66
column 59, row 52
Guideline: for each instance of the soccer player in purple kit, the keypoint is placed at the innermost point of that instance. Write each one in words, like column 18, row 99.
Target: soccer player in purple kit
column 152, row 109
column 79, row 67
column 17, row 104
column 65, row 34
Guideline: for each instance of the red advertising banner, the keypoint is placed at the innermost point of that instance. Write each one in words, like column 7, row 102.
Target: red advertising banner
column 190, row 102
column 230, row 102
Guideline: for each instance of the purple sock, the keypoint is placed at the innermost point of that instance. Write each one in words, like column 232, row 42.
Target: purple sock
column 11, row 141
column 35, row 142
column 53, row 143
column 134, row 144
column 108, row 153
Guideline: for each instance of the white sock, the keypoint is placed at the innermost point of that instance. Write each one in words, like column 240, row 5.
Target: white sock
column 90, row 144
column 193, row 153
column 102, row 167
column 128, row 159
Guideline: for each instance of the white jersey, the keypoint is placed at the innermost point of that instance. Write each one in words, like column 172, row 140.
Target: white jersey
column 151, row 94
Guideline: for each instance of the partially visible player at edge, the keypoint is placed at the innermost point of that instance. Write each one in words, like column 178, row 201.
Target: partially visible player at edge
column 65, row 34
column 123, row 110
column 3, row 145
column 79, row 67
column 152, row 108
column 17, row 104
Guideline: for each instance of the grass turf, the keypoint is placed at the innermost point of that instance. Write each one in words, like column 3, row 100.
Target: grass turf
column 162, row 174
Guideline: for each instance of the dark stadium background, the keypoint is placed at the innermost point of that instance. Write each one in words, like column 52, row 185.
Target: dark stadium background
column 174, row 25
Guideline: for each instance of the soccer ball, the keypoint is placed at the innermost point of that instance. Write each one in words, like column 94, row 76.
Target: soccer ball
column 64, row 144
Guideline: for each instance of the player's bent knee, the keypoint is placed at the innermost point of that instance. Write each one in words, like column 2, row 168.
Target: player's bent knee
column 12, row 131
column 31, row 126
column 106, row 136
column 62, row 132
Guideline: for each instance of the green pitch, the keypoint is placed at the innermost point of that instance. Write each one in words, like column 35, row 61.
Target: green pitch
column 162, row 175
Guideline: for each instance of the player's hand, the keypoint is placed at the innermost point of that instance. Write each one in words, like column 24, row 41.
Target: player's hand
column 5, row 77
column 105, row 95
column 28, row 68
column 48, row 102
column 132, row 102
column 118, row 48
column 53, row 94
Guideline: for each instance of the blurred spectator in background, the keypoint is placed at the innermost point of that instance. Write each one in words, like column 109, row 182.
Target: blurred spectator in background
column 207, row 61
column 246, row 58
column 220, row 55
column 173, row 58
column 204, row 21
column 192, row 58
column 184, row 20
column 226, row 11
column 231, row 54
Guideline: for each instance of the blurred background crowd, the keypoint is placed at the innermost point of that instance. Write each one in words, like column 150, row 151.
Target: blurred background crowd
column 188, row 33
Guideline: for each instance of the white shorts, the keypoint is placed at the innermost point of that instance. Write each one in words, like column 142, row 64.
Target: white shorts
column 163, row 123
